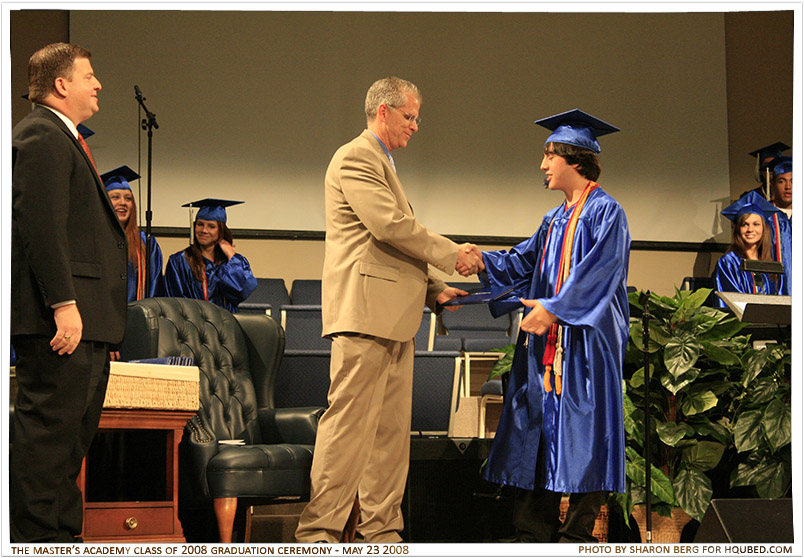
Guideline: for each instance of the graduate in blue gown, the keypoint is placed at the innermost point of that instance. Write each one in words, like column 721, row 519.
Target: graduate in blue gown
column 751, row 240
column 763, row 168
column 781, row 222
column 121, row 451
column 774, row 171
column 561, row 429
column 119, row 190
column 210, row 268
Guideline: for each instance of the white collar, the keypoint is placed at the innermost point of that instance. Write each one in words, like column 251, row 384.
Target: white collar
column 69, row 123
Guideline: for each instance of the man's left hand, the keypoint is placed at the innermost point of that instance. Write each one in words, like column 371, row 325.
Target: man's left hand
column 448, row 294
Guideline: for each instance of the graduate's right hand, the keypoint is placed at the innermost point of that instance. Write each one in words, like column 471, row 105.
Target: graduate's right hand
column 470, row 260
column 538, row 320
column 228, row 249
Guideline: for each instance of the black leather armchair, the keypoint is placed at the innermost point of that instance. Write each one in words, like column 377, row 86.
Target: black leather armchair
column 238, row 357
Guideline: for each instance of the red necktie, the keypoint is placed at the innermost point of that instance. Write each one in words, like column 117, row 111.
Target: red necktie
column 86, row 150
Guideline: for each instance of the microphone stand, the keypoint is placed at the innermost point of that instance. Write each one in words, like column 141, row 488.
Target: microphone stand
column 643, row 299
column 148, row 123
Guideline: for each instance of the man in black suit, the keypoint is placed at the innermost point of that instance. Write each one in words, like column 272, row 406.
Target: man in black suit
column 68, row 295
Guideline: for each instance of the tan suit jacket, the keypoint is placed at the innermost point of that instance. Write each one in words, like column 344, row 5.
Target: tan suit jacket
column 376, row 280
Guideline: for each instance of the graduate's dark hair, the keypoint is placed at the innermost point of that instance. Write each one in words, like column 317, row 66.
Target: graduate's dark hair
column 193, row 252
column 587, row 161
column 739, row 246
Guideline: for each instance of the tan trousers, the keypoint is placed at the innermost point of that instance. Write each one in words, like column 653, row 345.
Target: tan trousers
column 363, row 442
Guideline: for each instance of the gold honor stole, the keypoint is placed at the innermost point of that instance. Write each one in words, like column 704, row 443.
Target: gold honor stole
column 553, row 352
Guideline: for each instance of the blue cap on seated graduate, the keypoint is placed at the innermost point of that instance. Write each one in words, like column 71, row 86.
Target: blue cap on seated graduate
column 119, row 178
column 211, row 209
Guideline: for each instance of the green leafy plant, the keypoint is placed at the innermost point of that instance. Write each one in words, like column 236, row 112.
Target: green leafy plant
column 760, row 412
column 503, row 365
column 715, row 401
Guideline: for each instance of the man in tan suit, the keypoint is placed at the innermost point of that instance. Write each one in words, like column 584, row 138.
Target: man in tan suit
column 374, row 288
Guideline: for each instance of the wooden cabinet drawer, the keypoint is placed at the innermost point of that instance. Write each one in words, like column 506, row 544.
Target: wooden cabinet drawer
column 128, row 521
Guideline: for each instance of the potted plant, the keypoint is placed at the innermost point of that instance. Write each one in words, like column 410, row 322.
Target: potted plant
column 714, row 401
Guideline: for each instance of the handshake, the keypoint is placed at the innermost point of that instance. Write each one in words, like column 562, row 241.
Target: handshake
column 470, row 260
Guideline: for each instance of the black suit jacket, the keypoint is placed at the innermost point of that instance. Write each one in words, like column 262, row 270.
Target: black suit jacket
column 66, row 243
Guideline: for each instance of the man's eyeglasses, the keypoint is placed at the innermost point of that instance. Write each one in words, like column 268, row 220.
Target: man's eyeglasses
column 409, row 117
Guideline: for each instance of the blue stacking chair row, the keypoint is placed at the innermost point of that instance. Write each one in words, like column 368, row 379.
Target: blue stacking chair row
column 267, row 298
column 470, row 329
column 303, row 378
column 272, row 294
column 304, row 370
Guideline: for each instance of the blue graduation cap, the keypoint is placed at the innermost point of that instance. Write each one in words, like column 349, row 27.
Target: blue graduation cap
column 770, row 151
column 211, row 209
column 575, row 127
column 119, row 178
column 781, row 165
column 84, row 131
column 752, row 202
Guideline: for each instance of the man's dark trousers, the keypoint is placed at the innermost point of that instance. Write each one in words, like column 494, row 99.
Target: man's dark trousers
column 58, row 400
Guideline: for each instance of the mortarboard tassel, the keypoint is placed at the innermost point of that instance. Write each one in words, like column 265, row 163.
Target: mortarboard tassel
column 549, row 357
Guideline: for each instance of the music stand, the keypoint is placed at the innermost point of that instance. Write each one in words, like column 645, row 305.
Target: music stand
column 759, row 309
column 761, row 266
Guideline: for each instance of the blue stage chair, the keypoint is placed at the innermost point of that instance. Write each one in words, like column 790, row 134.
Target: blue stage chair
column 267, row 298
column 303, row 327
column 305, row 291
column 436, row 380
column 425, row 336
column 303, row 378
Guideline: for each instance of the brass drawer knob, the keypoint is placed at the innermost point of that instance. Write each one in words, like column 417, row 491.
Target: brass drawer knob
column 131, row 523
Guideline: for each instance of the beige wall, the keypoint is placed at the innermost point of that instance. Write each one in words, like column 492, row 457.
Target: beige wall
column 254, row 103
column 759, row 63
column 759, row 81
column 30, row 30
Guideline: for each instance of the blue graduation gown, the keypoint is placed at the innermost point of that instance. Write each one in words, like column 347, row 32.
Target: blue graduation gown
column 785, row 238
column 582, row 429
column 157, row 286
column 727, row 277
column 228, row 284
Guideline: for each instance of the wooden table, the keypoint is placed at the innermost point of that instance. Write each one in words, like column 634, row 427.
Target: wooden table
column 139, row 521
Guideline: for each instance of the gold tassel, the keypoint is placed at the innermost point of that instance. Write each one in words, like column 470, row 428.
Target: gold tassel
column 547, row 386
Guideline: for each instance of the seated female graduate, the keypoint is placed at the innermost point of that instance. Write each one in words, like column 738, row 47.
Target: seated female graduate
column 775, row 172
column 117, row 186
column 129, row 454
column 751, row 240
column 210, row 268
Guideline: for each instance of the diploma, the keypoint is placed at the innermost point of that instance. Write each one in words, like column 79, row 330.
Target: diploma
column 478, row 296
